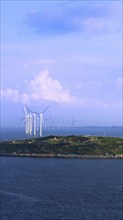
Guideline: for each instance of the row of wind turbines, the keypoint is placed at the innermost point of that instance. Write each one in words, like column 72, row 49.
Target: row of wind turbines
column 35, row 123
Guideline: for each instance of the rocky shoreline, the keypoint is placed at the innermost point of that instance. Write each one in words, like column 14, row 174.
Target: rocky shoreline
column 61, row 156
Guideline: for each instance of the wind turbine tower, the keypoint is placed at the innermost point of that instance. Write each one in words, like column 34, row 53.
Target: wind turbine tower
column 34, row 120
column 40, row 124
column 26, row 121
column 30, row 124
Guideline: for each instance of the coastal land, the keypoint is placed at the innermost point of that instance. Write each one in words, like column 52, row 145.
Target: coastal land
column 81, row 147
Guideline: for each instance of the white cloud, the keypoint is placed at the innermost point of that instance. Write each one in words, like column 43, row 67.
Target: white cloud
column 24, row 97
column 14, row 95
column 42, row 87
column 10, row 94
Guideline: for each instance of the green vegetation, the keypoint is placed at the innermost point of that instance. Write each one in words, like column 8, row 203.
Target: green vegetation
column 69, row 145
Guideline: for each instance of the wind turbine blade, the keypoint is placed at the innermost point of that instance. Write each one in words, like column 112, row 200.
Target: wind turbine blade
column 22, row 119
column 29, row 110
column 25, row 110
column 45, row 109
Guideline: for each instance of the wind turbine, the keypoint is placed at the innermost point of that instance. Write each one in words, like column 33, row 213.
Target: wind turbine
column 30, row 124
column 40, row 124
column 58, row 120
column 27, row 121
column 41, row 121
column 31, row 120
column 73, row 123
column 35, row 122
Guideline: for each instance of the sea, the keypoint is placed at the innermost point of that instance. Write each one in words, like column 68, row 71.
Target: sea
column 61, row 189
column 19, row 133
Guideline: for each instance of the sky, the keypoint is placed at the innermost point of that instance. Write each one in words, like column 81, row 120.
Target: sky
column 63, row 54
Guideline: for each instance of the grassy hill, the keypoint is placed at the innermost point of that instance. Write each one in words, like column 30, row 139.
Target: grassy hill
column 66, row 145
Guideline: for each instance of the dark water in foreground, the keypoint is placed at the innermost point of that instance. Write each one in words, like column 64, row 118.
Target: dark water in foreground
column 60, row 189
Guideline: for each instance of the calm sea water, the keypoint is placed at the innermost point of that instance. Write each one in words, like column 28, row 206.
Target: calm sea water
column 60, row 189
column 18, row 133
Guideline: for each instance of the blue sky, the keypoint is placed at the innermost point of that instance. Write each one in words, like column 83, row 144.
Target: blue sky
column 66, row 54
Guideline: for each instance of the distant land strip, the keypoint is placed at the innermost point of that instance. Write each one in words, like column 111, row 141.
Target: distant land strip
column 76, row 147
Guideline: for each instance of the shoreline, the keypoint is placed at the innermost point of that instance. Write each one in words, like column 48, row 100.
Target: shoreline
column 62, row 156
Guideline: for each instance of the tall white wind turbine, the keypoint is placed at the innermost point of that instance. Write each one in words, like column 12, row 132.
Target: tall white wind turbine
column 30, row 124
column 41, row 121
column 40, row 124
column 34, row 125
column 26, row 121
